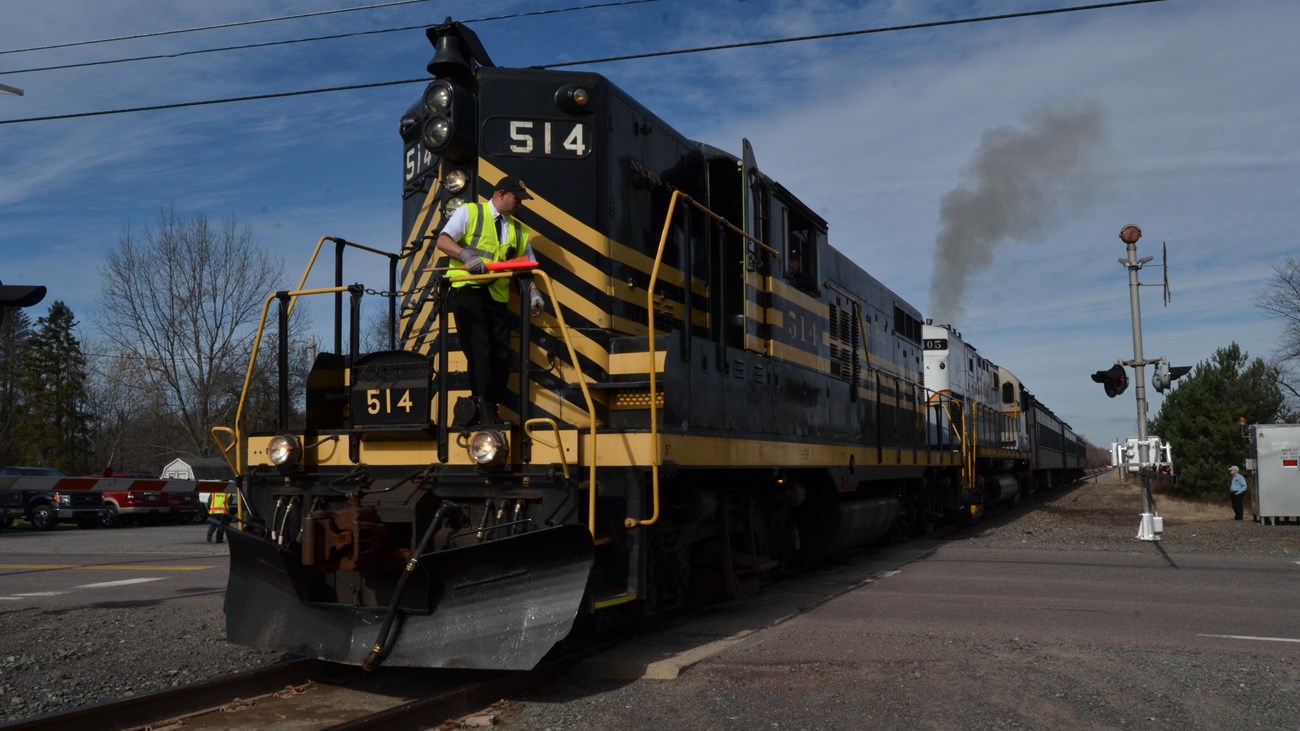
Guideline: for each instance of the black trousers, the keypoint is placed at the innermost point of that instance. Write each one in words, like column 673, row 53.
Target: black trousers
column 219, row 528
column 484, row 328
column 1238, row 498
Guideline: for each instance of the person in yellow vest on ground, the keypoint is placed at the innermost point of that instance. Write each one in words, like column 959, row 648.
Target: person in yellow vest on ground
column 477, row 234
column 218, row 515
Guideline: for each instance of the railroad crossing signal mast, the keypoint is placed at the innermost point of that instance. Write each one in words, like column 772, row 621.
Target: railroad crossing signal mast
column 1150, row 526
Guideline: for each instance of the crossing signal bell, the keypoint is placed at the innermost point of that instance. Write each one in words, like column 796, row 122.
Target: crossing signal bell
column 1115, row 380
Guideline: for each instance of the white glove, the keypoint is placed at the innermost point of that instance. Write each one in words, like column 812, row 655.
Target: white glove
column 472, row 261
column 535, row 301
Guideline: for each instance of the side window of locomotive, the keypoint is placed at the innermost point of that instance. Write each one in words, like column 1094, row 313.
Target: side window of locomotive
column 1008, row 393
column 801, row 241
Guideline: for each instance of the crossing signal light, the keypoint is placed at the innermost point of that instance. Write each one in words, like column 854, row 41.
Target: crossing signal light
column 18, row 295
column 1165, row 375
column 1115, row 380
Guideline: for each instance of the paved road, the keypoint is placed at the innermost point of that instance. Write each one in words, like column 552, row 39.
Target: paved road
column 134, row 566
column 1141, row 599
column 967, row 637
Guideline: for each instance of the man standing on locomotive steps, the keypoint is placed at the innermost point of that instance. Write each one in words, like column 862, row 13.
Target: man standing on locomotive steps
column 478, row 234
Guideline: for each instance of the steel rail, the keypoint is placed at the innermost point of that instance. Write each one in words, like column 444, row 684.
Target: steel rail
column 149, row 708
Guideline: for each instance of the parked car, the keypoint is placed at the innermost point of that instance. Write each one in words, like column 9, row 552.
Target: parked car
column 129, row 504
column 41, row 504
column 186, row 508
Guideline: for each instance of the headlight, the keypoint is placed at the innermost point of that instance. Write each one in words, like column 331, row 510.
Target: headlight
column 488, row 447
column 284, row 450
column 454, row 203
column 436, row 132
column 437, row 98
column 63, row 500
column 455, row 181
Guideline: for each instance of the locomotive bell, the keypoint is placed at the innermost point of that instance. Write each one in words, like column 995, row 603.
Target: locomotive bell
column 449, row 58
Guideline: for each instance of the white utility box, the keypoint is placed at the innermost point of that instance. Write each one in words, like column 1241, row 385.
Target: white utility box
column 1275, row 464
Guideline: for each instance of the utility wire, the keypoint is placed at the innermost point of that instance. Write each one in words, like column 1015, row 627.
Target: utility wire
column 701, row 49
column 234, row 24
column 846, row 33
column 336, row 36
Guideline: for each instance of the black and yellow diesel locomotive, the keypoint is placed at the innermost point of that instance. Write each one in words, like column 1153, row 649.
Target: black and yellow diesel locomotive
column 714, row 394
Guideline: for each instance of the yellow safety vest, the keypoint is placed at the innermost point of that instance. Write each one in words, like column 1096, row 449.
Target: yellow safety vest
column 480, row 234
column 217, row 503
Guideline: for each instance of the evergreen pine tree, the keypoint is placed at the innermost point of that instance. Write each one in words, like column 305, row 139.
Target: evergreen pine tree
column 14, row 332
column 1201, row 418
column 52, row 422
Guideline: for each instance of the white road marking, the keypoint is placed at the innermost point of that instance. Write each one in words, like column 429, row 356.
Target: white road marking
column 122, row 582
column 1247, row 637
column 100, row 585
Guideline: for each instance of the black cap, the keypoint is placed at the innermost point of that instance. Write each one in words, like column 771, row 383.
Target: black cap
column 514, row 185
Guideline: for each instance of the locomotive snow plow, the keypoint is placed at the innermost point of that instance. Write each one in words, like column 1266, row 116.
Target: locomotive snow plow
column 501, row 605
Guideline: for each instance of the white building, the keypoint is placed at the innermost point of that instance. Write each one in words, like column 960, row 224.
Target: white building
column 198, row 468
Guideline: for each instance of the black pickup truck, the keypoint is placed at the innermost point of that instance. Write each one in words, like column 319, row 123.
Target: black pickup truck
column 45, row 497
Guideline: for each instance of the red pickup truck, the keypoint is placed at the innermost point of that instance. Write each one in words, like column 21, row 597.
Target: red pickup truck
column 129, row 504
column 140, row 504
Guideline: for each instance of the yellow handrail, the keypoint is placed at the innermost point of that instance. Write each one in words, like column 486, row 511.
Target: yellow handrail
column 225, row 449
column 252, row 361
column 631, row 522
column 586, row 395
column 555, row 429
column 582, row 381
column 966, row 441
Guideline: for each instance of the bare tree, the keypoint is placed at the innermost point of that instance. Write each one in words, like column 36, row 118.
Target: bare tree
column 1280, row 299
column 183, row 302
column 134, row 430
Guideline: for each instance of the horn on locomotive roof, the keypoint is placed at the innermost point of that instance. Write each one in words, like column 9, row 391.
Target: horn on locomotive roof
column 456, row 49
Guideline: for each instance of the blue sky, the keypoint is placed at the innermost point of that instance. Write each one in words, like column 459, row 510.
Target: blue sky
column 1181, row 117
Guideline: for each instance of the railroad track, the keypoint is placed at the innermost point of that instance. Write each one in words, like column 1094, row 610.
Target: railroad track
column 301, row 694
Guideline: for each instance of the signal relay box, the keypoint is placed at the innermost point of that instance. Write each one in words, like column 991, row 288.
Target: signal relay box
column 1274, row 466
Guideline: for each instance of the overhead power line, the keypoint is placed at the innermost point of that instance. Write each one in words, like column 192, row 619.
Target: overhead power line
column 311, row 39
column 846, row 33
column 608, row 59
column 234, row 24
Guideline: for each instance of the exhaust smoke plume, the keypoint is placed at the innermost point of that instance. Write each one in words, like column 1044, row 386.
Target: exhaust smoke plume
column 1016, row 187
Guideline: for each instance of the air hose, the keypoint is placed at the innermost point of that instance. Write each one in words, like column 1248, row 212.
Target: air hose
column 377, row 651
